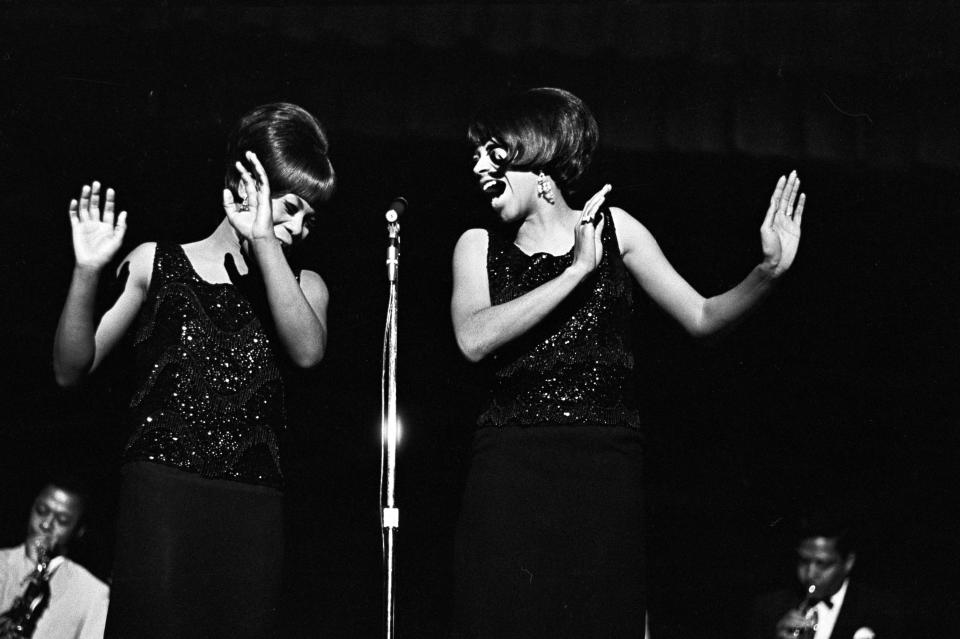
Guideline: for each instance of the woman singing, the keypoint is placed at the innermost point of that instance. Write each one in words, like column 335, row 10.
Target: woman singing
column 549, row 542
column 199, row 539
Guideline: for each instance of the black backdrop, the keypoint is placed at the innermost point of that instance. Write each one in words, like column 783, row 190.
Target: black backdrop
column 838, row 391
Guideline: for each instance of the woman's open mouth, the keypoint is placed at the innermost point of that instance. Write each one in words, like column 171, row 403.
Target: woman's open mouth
column 493, row 188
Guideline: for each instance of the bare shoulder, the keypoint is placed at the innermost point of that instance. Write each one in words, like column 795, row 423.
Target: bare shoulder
column 313, row 286
column 141, row 255
column 624, row 220
column 631, row 233
column 472, row 240
column 471, row 249
column 140, row 263
column 470, row 287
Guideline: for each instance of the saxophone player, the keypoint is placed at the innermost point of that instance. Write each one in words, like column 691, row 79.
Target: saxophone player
column 43, row 594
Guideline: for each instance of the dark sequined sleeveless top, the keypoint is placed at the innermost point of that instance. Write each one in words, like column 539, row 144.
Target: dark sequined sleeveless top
column 209, row 397
column 575, row 366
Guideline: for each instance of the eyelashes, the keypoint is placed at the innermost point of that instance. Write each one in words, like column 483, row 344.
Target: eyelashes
column 293, row 209
column 498, row 154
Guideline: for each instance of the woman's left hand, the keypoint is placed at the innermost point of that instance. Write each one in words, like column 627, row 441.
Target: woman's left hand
column 780, row 232
column 253, row 219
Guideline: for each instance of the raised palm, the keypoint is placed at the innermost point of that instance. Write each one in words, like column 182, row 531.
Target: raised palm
column 96, row 236
column 587, row 246
column 253, row 218
column 780, row 231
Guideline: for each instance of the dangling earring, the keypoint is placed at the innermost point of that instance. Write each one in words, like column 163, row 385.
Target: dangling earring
column 545, row 189
column 243, row 205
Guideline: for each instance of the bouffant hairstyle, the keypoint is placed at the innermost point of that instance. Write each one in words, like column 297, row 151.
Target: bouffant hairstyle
column 543, row 129
column 292, row 146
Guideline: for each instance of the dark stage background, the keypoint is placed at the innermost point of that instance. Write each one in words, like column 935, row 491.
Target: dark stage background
column 838, row 391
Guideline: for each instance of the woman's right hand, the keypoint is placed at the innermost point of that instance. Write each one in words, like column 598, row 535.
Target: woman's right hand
column 96, row 237
column 587, row 247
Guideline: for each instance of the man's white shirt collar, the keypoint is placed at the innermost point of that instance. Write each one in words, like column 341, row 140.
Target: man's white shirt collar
column 31, row 565
column 827, row 617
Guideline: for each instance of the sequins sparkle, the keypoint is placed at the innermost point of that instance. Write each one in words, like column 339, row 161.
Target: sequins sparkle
column 210, row 395
column 575, row 366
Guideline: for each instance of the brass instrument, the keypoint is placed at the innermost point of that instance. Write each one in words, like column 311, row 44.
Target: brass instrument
column 808, row 608
column 20, row 621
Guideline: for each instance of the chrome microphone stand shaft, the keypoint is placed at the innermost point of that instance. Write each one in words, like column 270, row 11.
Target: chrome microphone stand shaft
column 390, row 515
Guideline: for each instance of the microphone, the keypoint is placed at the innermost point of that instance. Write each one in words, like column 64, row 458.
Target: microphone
column 397, row 207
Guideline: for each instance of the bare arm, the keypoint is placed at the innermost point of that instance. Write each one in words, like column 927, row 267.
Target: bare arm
column 481, row 327
column 780, row 235
column 80, row 343
column 299, row 309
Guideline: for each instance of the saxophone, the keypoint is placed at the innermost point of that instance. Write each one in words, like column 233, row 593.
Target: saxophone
column 20, row 620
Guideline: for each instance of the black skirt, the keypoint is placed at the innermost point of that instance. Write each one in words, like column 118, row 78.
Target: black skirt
column 195, row 558
column 550, row 536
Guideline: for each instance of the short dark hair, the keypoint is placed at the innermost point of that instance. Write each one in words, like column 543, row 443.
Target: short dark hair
column 829, row 526
column 292, row 146
column 70, row 482
column 543, row 129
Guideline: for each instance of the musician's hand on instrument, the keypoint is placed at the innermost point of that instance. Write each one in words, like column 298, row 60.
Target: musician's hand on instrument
column 792, row 624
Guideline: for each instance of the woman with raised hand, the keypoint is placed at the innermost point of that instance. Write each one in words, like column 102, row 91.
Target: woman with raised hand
column 549, row 542
column 214, row 324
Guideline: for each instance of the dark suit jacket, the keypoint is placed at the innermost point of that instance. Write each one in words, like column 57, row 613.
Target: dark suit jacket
column 862, row 607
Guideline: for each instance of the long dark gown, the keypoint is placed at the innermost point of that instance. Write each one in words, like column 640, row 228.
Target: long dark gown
column 550, row 539
column 199, row 534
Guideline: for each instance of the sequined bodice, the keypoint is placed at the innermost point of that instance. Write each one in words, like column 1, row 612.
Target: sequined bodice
column 209, row 397
column 574, row 367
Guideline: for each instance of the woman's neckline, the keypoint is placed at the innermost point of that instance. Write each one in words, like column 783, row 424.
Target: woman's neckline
column 196, row 273
column 566, row 253
column 541, row 253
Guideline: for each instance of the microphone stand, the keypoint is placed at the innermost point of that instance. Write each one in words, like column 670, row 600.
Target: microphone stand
column 390, row 514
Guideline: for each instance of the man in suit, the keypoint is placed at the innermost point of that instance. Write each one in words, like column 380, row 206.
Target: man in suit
column 829, row 603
